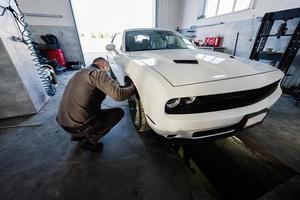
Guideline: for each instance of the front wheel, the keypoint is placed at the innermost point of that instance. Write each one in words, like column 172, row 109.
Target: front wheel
column 137, row 114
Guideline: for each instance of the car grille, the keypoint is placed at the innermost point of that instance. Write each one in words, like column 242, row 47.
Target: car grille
column 225, row 101
column 226, row 130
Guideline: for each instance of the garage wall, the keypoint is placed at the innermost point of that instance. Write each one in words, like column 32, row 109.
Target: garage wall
column 54, row 7
column 63, row 28
column 195, row 8
column 169, row 13
column 244, row 22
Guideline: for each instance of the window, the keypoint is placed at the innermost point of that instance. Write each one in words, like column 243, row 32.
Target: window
column 242, row 5
column 117, row 41
column 221, row 7
column 211, row 8
column 225, row 6
column 2, row 10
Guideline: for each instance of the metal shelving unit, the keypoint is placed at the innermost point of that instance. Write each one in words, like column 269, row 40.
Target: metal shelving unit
column 285, row 58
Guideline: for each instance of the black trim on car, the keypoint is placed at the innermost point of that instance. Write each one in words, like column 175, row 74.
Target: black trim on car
column 224, row 101
column 150, row 119
column 224, row 130
column 186, row 61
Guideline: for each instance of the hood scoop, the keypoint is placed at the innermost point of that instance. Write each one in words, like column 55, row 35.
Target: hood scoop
column 186, row 61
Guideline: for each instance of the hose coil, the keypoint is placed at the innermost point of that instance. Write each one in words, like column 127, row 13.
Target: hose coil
column 23, row 27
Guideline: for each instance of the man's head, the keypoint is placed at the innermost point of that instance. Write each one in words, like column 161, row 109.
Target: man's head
column 102, row 64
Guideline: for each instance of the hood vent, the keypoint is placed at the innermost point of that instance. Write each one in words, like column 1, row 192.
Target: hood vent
column 186, row 61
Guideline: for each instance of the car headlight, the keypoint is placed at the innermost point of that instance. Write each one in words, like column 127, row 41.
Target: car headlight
column 189, row 100
column 173, row 103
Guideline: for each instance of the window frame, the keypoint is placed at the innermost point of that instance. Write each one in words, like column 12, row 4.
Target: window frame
column 252, row 2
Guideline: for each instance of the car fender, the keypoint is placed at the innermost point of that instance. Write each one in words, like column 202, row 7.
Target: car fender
column 151, row 87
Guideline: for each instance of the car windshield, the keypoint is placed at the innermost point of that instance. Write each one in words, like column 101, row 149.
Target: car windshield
column 154, row 40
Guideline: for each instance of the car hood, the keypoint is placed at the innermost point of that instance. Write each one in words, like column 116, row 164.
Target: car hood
column 205, row 65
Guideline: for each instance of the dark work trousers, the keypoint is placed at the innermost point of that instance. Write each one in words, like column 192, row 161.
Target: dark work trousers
column 99, row 125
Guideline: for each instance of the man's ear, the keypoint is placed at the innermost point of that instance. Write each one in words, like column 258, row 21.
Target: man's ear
column 99, row 65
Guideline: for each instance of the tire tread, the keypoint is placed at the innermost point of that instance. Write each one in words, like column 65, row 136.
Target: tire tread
column 144, row 127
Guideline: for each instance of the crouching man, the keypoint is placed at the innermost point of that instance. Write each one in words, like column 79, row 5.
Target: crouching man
column 80, row 111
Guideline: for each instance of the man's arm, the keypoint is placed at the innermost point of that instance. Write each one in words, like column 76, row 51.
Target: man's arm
column 110, row 87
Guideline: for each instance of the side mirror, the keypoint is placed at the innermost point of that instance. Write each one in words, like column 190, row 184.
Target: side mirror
column 110, row 47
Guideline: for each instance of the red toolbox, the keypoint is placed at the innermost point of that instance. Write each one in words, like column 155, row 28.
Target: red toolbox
column 58, row 55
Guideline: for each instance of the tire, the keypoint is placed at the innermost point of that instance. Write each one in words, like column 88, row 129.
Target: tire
column 137, row 114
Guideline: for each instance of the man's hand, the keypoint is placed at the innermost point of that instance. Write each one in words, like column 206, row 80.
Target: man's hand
column 132, row 87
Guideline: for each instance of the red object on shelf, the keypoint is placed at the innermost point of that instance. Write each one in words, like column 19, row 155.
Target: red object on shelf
column 218, row 41
column 213, row 41
column 206, row 41
column 58, row 55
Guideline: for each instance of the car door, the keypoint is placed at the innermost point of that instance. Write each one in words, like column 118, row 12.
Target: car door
column 116, row 59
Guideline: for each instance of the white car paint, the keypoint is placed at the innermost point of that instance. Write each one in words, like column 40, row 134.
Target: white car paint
column 158, row 79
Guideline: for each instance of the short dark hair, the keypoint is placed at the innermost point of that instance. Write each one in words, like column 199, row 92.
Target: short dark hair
column 99, row 59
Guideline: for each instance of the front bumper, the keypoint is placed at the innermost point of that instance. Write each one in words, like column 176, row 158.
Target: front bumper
column 203, row 125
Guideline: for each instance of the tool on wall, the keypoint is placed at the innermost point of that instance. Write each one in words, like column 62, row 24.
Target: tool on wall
column 282, row 29
column 23, row 27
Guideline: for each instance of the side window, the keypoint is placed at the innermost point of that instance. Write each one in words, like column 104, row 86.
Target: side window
column 117, row 41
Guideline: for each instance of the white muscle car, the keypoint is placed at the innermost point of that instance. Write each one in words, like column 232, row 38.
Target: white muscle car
column 184, row 92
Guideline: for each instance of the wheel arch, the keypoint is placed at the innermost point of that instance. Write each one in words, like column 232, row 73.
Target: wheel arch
column 128, row 80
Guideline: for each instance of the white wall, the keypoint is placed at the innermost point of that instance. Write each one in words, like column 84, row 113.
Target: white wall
column 192, row 9
column 169, row 13
column 56, row 7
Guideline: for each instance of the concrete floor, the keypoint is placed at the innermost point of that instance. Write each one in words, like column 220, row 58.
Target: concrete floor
column 279, row 135
column 42, row 163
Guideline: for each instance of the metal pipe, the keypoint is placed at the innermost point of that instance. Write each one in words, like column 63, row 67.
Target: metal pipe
column 43, row 15
column 20, row 126
column 219, row 23
column 236, row 42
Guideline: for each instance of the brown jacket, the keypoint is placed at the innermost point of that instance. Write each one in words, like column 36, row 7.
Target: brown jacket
column 84, row 94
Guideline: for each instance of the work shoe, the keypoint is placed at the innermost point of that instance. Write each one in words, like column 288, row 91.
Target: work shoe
column 76, row 139
column 86, row 145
